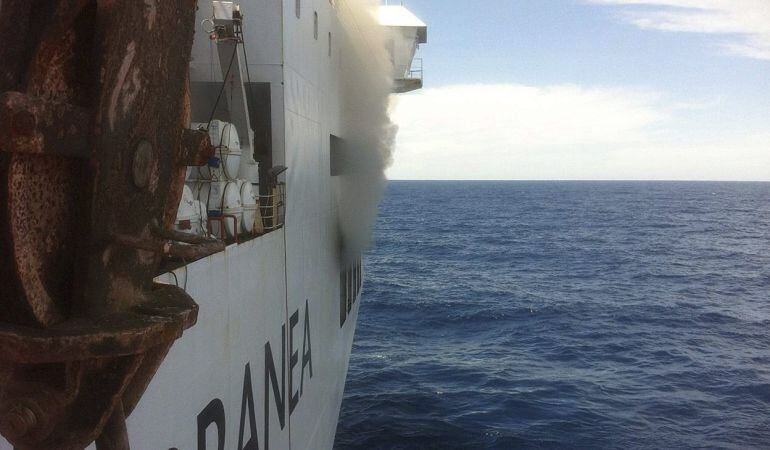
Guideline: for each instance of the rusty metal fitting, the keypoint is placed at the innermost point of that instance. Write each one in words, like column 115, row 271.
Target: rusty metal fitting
column 161, row 320
column 141, row 167
column 19, row 421
column 93, row 103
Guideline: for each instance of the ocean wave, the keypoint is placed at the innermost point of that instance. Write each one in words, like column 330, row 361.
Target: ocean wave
column 564, row 315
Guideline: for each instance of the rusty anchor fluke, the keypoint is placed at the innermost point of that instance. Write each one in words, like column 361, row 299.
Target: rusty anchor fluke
column 94, row 112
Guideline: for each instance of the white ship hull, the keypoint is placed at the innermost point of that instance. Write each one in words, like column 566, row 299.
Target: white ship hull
column 267, row 359
column 220, row 373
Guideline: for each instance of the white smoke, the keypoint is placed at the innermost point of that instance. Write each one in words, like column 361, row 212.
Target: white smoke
column 367, row 130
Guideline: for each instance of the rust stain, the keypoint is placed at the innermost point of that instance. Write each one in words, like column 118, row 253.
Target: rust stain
column 79, row 241
column 131, row 90
column 152, row 12
column 117, row 90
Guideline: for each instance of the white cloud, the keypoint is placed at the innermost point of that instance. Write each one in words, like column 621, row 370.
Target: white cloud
column 559, row 132
column 745, row 23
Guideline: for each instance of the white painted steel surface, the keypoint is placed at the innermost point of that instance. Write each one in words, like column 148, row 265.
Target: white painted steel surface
column 246, row 297
column 405, row 33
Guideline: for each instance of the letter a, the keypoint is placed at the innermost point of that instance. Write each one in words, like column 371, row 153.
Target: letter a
column 307, row 357
column 248, row 403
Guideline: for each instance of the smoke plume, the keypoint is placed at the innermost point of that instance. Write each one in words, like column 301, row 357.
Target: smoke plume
column 367, row 130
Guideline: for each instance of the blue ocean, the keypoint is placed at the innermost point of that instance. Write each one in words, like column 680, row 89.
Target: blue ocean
column 564, row 315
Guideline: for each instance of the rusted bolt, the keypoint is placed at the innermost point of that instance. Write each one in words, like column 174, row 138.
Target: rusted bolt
column 19, row 421
column 142, row 165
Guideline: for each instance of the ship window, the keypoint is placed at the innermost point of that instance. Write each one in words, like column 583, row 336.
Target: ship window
column 297, row 7
column 351, row 292
column 330, row 44
column 337, row 157
column 351, row 281
column 315, row 25
column 360, row 277
column 343, row 299
column 356, row 290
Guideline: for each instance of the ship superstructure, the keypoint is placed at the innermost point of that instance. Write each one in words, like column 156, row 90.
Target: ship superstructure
column 290, row 94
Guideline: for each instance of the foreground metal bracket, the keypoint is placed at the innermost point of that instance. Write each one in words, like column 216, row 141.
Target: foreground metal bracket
column 92, row 358
column 94, row 111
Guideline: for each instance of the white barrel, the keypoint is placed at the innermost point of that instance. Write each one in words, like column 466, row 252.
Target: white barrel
column 188, row 218
column 227, row 146
column 196, row 188
column 252, row 219
column 222, row 197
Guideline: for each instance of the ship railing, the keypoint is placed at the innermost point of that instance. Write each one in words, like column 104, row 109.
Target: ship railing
column 412, row 80
column 273, row 208
column 415, row 70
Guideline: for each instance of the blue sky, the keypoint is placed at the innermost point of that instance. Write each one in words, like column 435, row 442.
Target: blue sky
column 636, row 89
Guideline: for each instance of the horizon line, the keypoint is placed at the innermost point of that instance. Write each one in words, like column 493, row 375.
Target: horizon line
column 585, row 180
